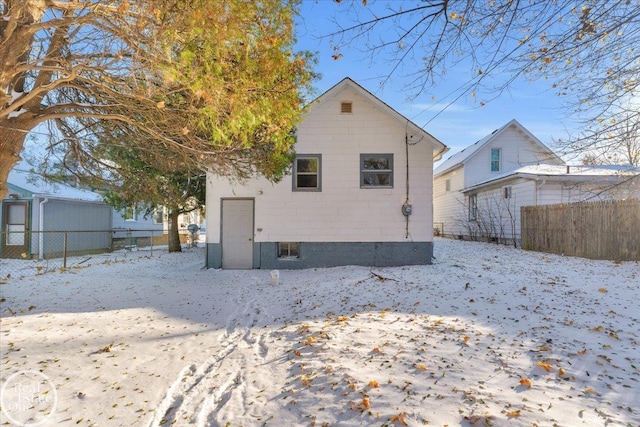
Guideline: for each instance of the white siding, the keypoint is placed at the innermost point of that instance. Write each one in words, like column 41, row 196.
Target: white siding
column 342, row 211
column 450, row 210
column 499, row 217
column 516, row 151
column 570, row 192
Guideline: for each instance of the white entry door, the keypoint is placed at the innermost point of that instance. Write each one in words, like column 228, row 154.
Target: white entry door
column 237, row 233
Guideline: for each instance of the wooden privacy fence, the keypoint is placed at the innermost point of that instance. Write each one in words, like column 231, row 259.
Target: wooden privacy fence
column 597, row 230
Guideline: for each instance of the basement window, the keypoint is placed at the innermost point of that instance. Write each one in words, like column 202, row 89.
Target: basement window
column 346, row 107
column 288, row 250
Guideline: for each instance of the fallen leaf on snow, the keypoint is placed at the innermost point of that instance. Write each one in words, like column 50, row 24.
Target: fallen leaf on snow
column 399, row 419
column 525, row 382
column 366, row 403
column 544, row 365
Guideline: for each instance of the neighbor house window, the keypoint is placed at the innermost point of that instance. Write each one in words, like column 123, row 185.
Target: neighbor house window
column 288, row 250
column 376, row 170
column 130, row 214
column 158, row 215
column 473, row 207
column 346, row 107
column 507, row 192
column 307, row 173
column 447, row 185
column 495, row 159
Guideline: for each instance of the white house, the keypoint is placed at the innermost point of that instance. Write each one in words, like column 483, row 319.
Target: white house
column 360, row 192
column 506, row 149
column 479, row 191
column 498, row 200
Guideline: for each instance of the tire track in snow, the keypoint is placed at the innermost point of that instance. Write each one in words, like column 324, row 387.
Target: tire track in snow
column 200, row 392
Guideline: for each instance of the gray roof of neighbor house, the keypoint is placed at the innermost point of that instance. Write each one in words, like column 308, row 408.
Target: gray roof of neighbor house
column 27, row 184
column 579, row 173
column 438, row 147
column 459, row 158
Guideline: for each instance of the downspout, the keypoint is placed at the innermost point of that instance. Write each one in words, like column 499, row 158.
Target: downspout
column 538, row 187
column 41, row 228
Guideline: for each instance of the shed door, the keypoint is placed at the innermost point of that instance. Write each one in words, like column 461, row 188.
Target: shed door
column 15, row 226
column 237, row 233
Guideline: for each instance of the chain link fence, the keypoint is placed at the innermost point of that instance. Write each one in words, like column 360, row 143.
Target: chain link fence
column 29, row 253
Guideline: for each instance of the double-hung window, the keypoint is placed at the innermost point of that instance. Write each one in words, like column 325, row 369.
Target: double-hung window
column 307, row 172
column 495, row 159
column 376, row 170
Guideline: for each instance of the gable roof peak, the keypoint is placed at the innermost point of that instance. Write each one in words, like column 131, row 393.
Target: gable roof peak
column 438, row 147
column 461, row 157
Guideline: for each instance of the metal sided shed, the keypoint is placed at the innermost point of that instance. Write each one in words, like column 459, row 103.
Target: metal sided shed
column 42, row 220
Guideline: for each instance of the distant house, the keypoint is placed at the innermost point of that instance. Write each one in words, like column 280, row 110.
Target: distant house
column 479, row 191
column 360, row 192
column 35, row 210
column 131, row 227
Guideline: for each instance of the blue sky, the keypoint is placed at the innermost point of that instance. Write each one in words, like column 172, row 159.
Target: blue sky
column 462, row 123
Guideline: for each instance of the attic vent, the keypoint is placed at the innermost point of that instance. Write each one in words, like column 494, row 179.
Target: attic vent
column 346, row 107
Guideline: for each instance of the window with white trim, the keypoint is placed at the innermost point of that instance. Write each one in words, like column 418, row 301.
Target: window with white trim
column 473, row 207
column 496, row 157
column 376, row 170
column 307, row 172
column 507, row 192
column 158, row 215
column 130, row 213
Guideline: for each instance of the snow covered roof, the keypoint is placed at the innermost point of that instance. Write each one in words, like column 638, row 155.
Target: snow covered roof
column 27, row 184
column 562, row 173
column 459, row 158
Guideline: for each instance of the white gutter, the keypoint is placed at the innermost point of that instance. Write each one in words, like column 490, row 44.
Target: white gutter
column 41, row 228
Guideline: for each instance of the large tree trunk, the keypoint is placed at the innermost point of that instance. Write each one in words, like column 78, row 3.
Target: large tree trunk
column 11, row 143
column 174, row 237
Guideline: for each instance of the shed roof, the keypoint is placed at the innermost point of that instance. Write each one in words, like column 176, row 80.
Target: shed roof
column 28, row 184
column 568, row 173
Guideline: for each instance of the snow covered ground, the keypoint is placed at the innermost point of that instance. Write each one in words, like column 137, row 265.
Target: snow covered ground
column 488, row 335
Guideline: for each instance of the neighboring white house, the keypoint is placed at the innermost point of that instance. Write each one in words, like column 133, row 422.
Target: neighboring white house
column 478, row 192
column 506, row 149
column 360, row 192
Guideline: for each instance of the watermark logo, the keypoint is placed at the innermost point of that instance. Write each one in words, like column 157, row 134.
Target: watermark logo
column 28, row 398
